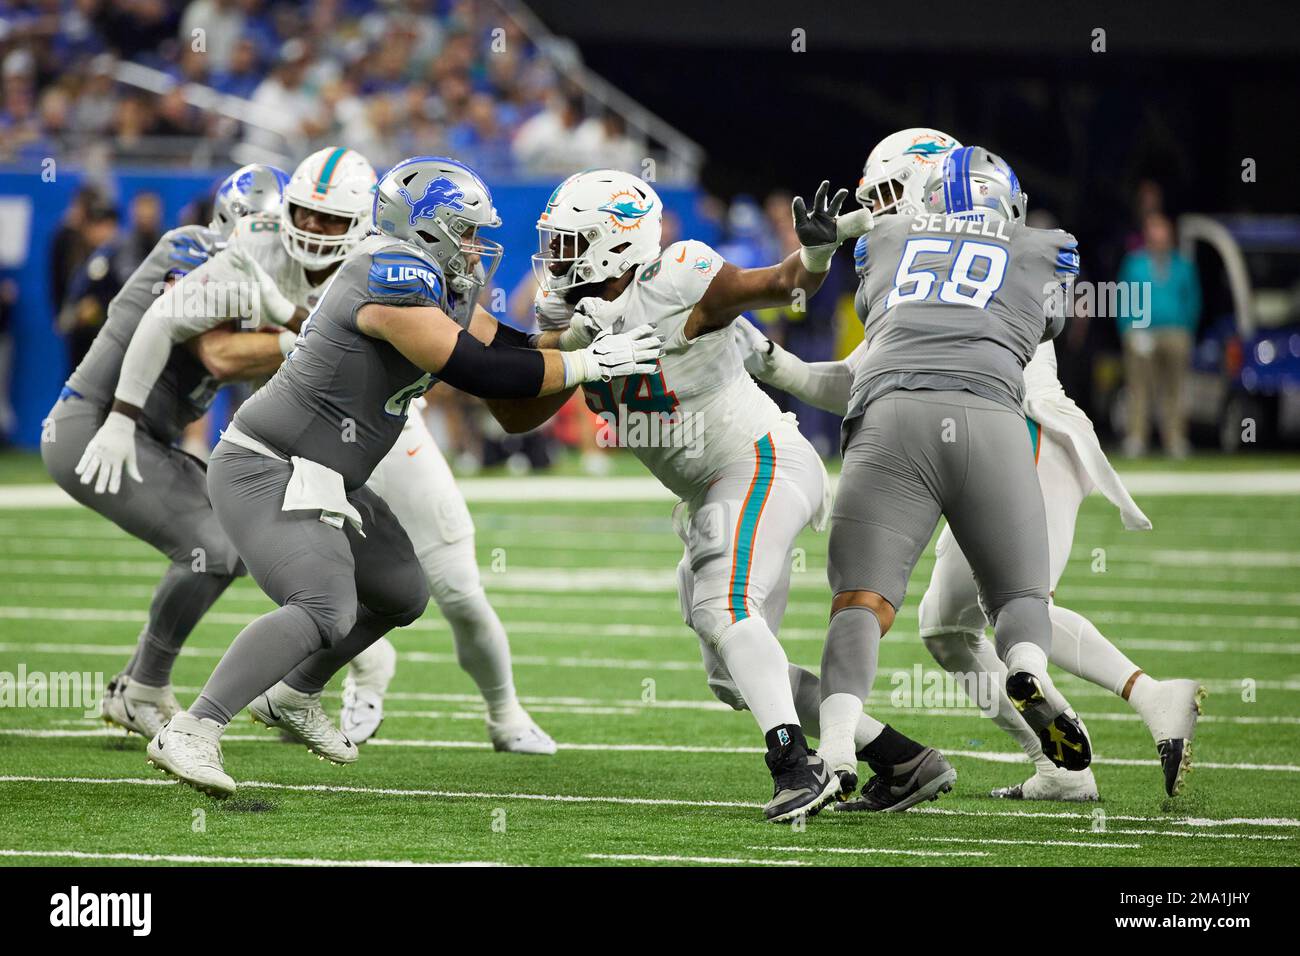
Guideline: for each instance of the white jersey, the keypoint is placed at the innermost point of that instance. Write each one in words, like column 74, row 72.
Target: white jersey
column 259, row 236
column 701, row 411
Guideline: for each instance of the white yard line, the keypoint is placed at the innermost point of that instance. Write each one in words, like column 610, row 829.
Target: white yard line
column 1124, row 831
column 248, row 860
column 644, row 488
column 399, row 792
column 646, row 801
column 864, row 851
column 656, row 858
column 989, row 840
column 990, row 757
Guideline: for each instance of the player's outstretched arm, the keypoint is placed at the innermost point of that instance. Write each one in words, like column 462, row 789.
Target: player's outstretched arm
column 502, row 368
column 188, row 308
column 231, row 356
column 820, row 231
column 824, row 385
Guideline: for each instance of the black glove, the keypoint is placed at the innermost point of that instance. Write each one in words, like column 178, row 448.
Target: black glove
column 818, row 227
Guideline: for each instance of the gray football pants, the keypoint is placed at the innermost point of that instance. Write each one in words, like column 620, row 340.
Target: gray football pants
column 170, row 511
column 912, row 457
column 338, row 591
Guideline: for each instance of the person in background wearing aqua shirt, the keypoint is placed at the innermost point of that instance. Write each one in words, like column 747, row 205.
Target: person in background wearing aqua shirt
column 1158, row 338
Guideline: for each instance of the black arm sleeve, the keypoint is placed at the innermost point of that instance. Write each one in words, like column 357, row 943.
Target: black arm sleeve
column 510, row 337
column 495, row 371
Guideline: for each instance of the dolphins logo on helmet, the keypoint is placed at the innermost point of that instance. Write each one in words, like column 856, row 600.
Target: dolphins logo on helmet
column 627, row 214
column 438, row 192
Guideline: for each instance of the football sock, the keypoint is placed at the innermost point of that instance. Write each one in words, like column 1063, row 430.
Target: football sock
column 183, row 596
column 889, row 749
column 1078, row 647
column 839, row 720
column 483, row 651
column 760, row 670
column 851, row 653
column 808, row 700
column 807, row 692
column 784, row 734
column 266, row 650
column 1022, row 621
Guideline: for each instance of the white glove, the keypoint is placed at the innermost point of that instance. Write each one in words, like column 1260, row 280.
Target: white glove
column 613, row 355
column 112, row 448
column 584, row 326
column 288, row 340
column 268, row 301
column 755, row 347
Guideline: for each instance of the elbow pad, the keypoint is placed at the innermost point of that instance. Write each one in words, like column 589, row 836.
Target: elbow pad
column 495, row 371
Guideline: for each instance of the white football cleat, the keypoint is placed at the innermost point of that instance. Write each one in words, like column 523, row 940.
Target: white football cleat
column 369, row 674
column 1170, row 709
column 520, row 735
column 1067, row 786
column 362, row 713
column 190, row 750
column 301, row 716
column 139, row 708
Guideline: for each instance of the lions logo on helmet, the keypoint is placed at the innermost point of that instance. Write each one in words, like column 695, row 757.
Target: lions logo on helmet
column 440, row 192
column 439, row 205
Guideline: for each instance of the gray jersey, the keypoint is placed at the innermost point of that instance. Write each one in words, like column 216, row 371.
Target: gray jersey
column 341, row 397
column 184, row 389
column 948, row 304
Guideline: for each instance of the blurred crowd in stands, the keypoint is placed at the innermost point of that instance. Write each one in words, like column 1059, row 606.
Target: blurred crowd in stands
column 392, row 78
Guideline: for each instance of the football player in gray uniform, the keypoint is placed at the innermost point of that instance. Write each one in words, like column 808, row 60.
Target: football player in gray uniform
column 953, row 306
column 171, row 511
column 288, row 478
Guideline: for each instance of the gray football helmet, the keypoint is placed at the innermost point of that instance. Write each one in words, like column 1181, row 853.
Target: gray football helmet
column 439, row 205
column 254, row 188
column 978, row 185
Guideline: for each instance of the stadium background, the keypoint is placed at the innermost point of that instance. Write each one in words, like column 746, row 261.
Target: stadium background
column 728, row 108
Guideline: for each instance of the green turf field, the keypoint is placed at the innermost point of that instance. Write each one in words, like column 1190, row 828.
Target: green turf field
column 651, row 768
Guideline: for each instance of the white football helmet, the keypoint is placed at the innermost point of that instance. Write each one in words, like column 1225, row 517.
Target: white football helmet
column 900, row 167
column 596, row 225
column 977, row 185
column 439, row 205
column 257, row 187
column 337, row 182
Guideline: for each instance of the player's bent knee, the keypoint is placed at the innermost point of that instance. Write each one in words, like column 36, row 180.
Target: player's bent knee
column 728, row 693
column 334, row 618
column 873, row 602
column 940, row 615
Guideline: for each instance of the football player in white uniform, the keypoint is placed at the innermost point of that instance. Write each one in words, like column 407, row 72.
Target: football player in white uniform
column 1071, row 464
column 748, row 481
column 287, row 261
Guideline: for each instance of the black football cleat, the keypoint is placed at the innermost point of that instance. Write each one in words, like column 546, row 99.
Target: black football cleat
column 1065, row 742
column 924, row 777
column 801, row 783
column 1176, row 762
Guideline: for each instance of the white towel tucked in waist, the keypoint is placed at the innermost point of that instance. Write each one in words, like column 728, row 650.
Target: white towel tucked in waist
column 312, row 486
